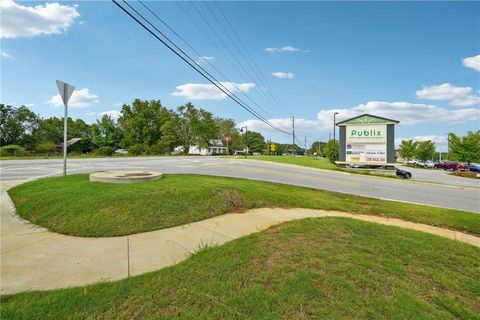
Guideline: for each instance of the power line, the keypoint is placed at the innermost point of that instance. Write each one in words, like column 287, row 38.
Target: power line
column 272, row 92
column 214, row 31
column 210, row 64
column 195, row 66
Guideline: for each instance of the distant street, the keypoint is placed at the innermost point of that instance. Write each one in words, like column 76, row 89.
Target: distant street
column 467, row 198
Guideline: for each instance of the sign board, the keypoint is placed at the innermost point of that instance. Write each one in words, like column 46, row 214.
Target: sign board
column 65, row 90
column 273, row 147
column 366, row 143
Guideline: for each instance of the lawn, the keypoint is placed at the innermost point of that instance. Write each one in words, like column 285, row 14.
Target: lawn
column 73, row 205
column 320, row 163
column 327, row 268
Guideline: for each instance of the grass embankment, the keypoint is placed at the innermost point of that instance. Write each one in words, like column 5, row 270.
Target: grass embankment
column 328, row 268
column 74, row 205
column 320, row 163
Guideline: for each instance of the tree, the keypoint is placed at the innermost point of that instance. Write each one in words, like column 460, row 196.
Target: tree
column 142, row 121
column 425, row 150
column 255, row 141
column 408, row 149
column 190, row 126
column 318, row 147
column 332, row 150
column 106, row 132
column 17, row 125
column 466, row 148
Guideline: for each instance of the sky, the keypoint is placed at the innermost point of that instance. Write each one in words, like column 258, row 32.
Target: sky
column 416, row 62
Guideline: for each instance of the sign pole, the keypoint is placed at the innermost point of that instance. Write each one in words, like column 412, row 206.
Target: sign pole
column 66, row 91
column 65, row 133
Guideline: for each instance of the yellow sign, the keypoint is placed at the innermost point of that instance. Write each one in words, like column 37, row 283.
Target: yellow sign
column 273, row 147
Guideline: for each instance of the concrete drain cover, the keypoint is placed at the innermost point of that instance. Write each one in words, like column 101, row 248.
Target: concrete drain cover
column 124, row 176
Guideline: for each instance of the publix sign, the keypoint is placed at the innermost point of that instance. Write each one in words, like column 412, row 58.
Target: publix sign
column 367, row 139
column 370, row 133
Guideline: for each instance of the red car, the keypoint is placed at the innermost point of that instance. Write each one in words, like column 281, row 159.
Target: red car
column 452, row 166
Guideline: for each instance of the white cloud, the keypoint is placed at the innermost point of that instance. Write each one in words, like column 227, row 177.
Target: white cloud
column 25, row 21
column 285, row 49
column 199, row 91
column 204, row 60
column 467, row 101
column 472, row 62
column 283, row 75
column 6, row 55
column 445, row 91
column 114, row 114
column 407, row 113
column 82, row 98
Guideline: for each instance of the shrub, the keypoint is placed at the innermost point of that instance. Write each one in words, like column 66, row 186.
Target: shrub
column 158, row 149
column 331, row 151
column 45, row 147
column 105, row 151
column 137, row 150
column 12, row 150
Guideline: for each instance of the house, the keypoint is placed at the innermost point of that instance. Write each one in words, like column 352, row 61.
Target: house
column 216, row 147
column 77, row 145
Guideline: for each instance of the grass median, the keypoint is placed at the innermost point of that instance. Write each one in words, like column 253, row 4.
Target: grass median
column 320, row 163
column 73, row 205
column 328, row 268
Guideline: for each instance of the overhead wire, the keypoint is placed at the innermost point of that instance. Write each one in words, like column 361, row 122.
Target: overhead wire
column 185, row 57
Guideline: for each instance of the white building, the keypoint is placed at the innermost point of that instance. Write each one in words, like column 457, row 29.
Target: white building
column 216, row 147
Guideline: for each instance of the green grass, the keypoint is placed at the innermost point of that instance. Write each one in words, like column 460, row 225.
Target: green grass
column 324, row 268
column 320, row 163
column 73, row 205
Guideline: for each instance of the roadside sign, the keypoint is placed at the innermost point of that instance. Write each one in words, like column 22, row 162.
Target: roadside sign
column 273, row 147
column 65, row 90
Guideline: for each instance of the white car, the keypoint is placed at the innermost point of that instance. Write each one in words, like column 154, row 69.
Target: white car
column 430, row 164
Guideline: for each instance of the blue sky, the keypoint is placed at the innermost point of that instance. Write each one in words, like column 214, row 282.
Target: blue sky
column 415, row 62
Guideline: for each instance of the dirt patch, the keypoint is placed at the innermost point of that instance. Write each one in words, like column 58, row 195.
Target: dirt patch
column 234, row 200
column 466, row 174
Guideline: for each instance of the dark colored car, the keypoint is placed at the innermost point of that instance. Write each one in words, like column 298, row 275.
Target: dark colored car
column 475, row 167
column 404, row 174
column 462, row 167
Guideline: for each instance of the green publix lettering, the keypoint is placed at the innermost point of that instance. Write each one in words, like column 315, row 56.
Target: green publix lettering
column 366, row 133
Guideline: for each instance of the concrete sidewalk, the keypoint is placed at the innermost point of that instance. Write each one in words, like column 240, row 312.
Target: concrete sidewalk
column 33, row 258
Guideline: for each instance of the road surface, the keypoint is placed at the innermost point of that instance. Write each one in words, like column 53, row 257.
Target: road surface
column 463, row 198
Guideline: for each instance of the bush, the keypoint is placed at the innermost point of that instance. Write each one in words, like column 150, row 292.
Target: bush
column 137, row 150
column 331, row 151
column 105, row 151
column 45, row 147
column 159, row 149
column 12, row 150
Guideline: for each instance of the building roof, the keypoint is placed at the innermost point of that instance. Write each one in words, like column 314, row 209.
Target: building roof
column 216, row 143
column 367, row 119
column 70, row 142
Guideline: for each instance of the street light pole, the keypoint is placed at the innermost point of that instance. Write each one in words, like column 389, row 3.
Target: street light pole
column 246, row 141
column 334, row 126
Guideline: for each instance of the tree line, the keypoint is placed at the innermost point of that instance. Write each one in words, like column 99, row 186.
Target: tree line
column 143, row 127
column 460, row 148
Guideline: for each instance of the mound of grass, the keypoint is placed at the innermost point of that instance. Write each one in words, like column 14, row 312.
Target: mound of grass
column 73, row 205
column 327, row 268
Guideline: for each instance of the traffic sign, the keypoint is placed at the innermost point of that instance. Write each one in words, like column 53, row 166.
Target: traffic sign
column 65, row 90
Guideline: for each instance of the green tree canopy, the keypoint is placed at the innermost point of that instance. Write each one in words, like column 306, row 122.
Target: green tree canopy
column 425, row 150
column 332, row 150
column 17, row 125
column 466, row 148
column 142, row 121
column 106, row 132
column 408, row 149
column 255, row 142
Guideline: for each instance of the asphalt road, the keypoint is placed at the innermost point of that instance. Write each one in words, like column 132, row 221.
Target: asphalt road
column 466, row 198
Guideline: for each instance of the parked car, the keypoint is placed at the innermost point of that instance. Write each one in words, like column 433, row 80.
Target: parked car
column 475, row 167
column 404, row 174
column 430, row 164
column 413, row 162
column 121, row 152
column 462, row 167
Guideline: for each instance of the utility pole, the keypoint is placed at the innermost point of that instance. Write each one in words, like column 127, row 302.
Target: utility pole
column 305, row 143
column 293, row 132
column 334, row 126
